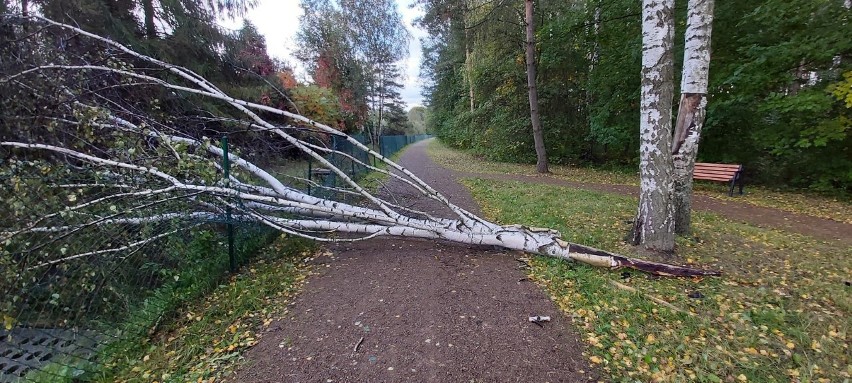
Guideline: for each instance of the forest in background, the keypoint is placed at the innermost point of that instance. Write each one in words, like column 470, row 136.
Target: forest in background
column 344, row 90
column 779, row 98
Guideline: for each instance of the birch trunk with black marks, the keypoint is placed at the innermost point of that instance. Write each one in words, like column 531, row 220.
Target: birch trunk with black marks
column 129, row 183
column 538, row 137
column 654, row 224
column 693, row 105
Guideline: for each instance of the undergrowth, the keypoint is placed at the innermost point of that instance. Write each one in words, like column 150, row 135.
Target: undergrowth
column 203, row 338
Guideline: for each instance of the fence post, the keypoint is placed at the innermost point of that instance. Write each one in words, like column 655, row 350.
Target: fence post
column 226, row 167
column 352, row 159
column 310, row 173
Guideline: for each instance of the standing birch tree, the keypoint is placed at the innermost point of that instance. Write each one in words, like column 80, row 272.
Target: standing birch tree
column 132, row 167
column 538, row 137
column 654, row 224
column 693, row 105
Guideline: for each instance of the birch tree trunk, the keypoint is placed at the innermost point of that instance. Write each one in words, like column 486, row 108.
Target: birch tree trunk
column 468, row 65
column 654, row 224
column 147, row 168
column 540, row 152
column 693, row 102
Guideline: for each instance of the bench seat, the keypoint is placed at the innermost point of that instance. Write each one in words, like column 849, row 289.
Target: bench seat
column 720, row 173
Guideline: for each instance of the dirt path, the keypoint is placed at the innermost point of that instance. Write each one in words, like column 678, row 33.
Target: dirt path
column 816, row 227
column 427, row 311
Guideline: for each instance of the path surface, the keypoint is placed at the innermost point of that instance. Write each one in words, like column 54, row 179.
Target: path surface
column 427, row 311
column 820, row 228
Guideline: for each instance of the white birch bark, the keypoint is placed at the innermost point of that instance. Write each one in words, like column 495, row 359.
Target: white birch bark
column 254, row 194
column 654, row 224
column 693, row 103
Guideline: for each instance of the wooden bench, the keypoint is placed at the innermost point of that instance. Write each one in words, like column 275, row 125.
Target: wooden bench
column 720, row 173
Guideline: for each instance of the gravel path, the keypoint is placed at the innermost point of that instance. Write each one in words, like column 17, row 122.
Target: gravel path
column 427, row 311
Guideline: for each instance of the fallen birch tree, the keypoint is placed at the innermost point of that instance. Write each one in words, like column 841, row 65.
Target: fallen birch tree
column 134, row 167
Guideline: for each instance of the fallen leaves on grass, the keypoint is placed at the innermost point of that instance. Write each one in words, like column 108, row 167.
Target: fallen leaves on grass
column 204, row 342
column 778, row 314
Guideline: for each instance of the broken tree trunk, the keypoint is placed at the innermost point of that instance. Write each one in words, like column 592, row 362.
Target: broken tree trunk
column 149, row 169
column 693, row 104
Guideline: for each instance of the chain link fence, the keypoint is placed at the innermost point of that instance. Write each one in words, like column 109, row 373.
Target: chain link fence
column 92, row 280
column 86, row 285
column 327, row 184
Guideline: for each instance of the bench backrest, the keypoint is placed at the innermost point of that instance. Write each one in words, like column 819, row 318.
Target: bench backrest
column 716, row 172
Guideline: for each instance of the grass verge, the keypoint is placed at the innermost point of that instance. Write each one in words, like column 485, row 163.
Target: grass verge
column 816, row 205
column 780, row 312
column 203, row 339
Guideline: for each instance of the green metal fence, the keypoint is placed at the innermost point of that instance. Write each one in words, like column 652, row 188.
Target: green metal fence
column 389, row 145
column 352, row 162
column 67, row 297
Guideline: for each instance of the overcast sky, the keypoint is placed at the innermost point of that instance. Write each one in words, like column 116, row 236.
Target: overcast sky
column 278, row 20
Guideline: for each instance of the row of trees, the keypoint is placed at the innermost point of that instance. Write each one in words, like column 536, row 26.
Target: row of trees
column 101, row 137
column 353, row 61
column 775, row 97
column 354, row 49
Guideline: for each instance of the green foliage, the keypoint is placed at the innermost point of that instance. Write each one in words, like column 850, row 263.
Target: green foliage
column 772, row 108
column 417, row 116
column 396, row 120
column 169, row 334
column 351, row 47
column 319, row 104
column 778, row 100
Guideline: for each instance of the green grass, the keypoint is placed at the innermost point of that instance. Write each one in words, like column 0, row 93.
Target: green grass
column 779, row 313
column 203, row 339
column 374, row 180
column 830, row 207
column 467, row 162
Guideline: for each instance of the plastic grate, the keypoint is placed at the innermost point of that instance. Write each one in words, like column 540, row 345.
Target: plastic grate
column 25, row 349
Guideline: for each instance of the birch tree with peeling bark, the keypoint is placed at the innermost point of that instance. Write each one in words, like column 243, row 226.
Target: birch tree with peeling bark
column 149, row 159
column 693, row 105
column 654, row 224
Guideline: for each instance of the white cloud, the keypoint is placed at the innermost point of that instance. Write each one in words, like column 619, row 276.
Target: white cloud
column 278, row 21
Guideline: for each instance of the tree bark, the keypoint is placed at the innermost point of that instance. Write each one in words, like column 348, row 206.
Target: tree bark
column 468, row 60
column 468, row 64
column 538, row 138
column 253, row 194
column 381, row 102
column 693, row 102
column 654, row 224
column 148, row 11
